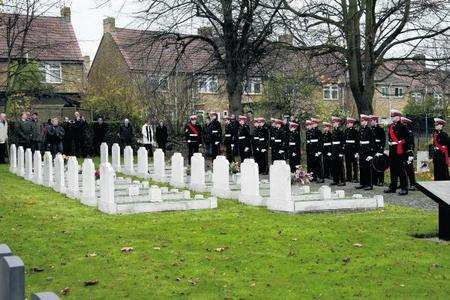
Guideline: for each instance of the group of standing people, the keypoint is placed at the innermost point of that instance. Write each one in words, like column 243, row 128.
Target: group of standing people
column 340, row 150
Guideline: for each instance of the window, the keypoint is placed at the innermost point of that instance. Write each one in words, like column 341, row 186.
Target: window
column 331, row 92
column 208, row 84
column 416, row 96
column 51, row 72
column 158, row 82
column 398, row 92
column 384, row 91
column 437, row 96
column 253, row 86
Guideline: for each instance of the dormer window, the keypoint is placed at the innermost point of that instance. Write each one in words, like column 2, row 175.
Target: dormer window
column 51, row 72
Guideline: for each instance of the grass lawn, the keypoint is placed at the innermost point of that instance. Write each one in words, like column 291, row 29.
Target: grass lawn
column 235, row 251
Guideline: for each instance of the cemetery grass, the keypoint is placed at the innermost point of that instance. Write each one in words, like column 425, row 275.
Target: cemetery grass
column 235, row 251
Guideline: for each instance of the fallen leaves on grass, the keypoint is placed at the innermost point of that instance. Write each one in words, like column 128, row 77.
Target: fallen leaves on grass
column 90, row 282
column 65, row 291
column 127, row 249
column 346, row 260
column 93, row 254
column 156, row 248
column 358, row 245
column 37, row 270
column 220, row 249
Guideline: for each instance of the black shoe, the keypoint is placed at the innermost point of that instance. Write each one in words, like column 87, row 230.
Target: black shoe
column 341, row 184
column 389, row 191
column 368, row 188
column 333, row 183
column 412, row 188
column 403, row 192
column 359, row 187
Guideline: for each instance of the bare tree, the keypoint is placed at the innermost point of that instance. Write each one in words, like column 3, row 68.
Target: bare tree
column 363, row 35
column 232, row 41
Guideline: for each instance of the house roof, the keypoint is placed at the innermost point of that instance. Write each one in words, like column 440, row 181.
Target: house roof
column 48, row 38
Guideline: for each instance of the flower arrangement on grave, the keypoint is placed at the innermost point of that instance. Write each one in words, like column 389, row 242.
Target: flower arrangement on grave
column 97, row 174
column 301, row 176
column 235, row 167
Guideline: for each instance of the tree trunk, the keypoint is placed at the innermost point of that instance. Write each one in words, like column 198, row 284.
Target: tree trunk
column 234, row 91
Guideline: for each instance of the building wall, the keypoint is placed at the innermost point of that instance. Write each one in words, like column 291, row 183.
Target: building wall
column 382, row 105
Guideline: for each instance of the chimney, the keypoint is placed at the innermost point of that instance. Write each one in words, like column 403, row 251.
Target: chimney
column 286, row 39
column 65, row 13
column 205, row 31
column 87, row 63
column 420, row 59
column 109, row 25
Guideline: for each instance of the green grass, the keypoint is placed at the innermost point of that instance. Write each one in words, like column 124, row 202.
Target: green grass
column 235, row 251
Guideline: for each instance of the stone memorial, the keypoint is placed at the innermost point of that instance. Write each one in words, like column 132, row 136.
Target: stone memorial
column 20, row 161
column 197, row 183
column 13, row 159
column 422, row 162
column 28, row 164
column 5, row 250
column 177, row 170
column 221, row 177
column 142, row 167
column 12, row 278
column 88, row 196
column 115, row 157
column 159, row 164
column 128, row 161
column 72, row 189
column 280, row 198
column 104, row 153
column 59, row 174
column 107, row 177
column 37, row 166
column 44, row 296
column 325, row 192
column 250, row 184
column 47, row 174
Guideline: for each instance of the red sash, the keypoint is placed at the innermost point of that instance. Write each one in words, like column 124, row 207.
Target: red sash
column 441, row 148
column 399, row 150
column 192, row 128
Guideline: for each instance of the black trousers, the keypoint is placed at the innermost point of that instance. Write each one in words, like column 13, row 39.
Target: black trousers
column 317, row 166
column 162, row 146
column 351, row 166
column 2, row 153
column 294, row 161
column 411, row 174
column 215, row 149
column 245, row 154
column 229, row 152
column 79, row 149
column 192, row 148
column 338, row 170
column 261, row 158
column 149, row 148
column 327, row 165
column 365, row 170
column 398, row 172
column 440, row 167
column 309, row 167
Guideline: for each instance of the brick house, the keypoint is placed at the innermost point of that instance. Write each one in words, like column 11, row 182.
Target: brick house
column 52, row 44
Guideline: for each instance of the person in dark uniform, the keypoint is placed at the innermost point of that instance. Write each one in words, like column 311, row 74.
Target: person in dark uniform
column 161, row 135
column 379, row 144
column 126, row 134
column 37, row 138
column 309, row 167
column 294, row 146
column 337, row 152
column 440, row 147
column 215, row 130
column 262, row 145
column 24, row 131
column 229, row 139
column 100, row 129
column 79, row 135
column 409, row 166
column 327, row 153
column 67, row 125
column 316, row 148
column 278, row 142
column 244, row 139
column 398, row 147
column 235, row 127
column 365, row 153
column 193, row 136
column 55, row 136
column 351, row 146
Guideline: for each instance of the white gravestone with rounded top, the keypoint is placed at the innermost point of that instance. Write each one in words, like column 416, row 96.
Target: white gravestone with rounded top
column 28, row 164
column 72, row 178
column 13, row 159
column 142, row 168
column 197, row 183
column 128, row 160
column 37, row 166
column 88, row 196
column 221, row 177
column 59, row 180
column 177, row 170
column 250, row 183
column 106, row 203
column 115, row 157
column 47, row 175
column 159, row 165
column 104, row 153
column 280, row 198
column 20, row 161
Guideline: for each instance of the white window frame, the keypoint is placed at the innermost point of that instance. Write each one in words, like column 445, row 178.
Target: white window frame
column 417, row 96
column 437, row 96
column 399, row 95
column 46, row 70
column 208, row 84
column 330, row 88
column 384, row 91
column 249, row 86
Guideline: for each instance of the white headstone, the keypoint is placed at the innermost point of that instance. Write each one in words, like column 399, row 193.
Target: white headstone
column 155, row 194
column 142, row 162
column 325, row 192
column 106, row 203
column 340, row 194
column 197, row 183
column 422, row 162
column 88, row 196
column 221, row 177
column 47, row 174
column 72, row 177
column 20, row 161
column 159, row 165
column 115, row 157
column 280, row 198
column 250, row 183
column 104, row 153
column 37, row 166
column 28, row 164
column 13, row 159
column 128, row 160
column 380, row 200
column 177, row 170
column 59, row 178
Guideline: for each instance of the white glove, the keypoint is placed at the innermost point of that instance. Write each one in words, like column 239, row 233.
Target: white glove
column 232, row 145
column 263, row 150
column 281, row 151
column 410, row 159
column 369, row 158
column 386, row 152
column 317, row 154
column 329, row 154
column 294, row 154
column 246, row 149
column 217, row 143
column 357, row 155
column 378, row 154
column 341, row 155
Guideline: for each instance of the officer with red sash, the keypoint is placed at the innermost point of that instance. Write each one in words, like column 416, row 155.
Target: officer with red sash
column 193, row 136
column 294, row 151
column 398, row 147
column 440, row 151
column 337, row 152
column 409, row 166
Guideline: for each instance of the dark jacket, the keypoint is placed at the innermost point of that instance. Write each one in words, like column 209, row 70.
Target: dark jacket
column 161, row 135
column 193, row 133
column 366, row 141
column 351, row 140
column 100, row 131
column 24, row 131
column 401, row 133
column 380, row 138
column 78, row 129
column 126, row 133
column 55, row 134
